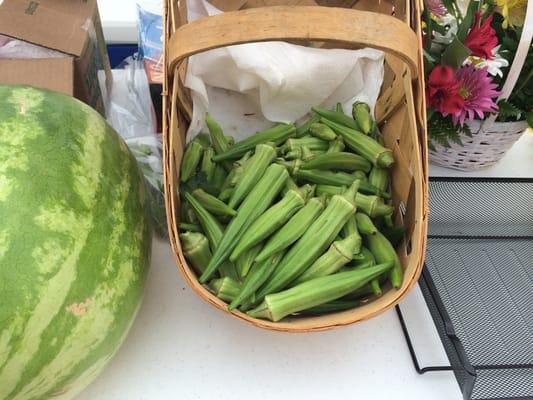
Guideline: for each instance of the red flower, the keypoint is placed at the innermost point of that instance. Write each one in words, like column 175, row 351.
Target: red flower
column 442, row 91
column 482, row 38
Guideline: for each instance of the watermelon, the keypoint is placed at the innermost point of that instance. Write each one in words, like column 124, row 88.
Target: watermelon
column 75, row 241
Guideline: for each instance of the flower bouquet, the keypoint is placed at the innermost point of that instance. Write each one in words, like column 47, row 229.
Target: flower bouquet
column 479, row 78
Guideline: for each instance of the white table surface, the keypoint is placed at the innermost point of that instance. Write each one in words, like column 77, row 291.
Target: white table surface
column 181, row 347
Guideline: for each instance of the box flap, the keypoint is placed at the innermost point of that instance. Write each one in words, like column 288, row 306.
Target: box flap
column 57, row 24
column 50, row 73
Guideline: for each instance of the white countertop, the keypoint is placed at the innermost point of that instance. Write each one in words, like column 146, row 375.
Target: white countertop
column 181, row 347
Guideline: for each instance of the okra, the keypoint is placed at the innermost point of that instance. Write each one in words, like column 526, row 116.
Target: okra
column 338, row 161
column 304, row 128
column 339, row 254
column 302, row 153
column 350, row 228
column 292, row 166
column 253, row 170
column 365, row 224
column 219, row 177
column 277, row 134
column 338, row 108
column 337, row 117
column 312, row 143
column 373, row 206
column 203, row 139
column 183, row 226
column 259, row 274
column 191, row 159
column 366, row 257
column 313, row 242
column 228, row 269
column 269, row 222
column 245, row 261
column 208, row 165
column 210, row 225
column 369, row 261
column 361, row 114
column 336, row 145
column 361, row 176
column 225, row 195
column 379, row 177
column 196, row 250
column 331, row 307
column 338, row 179
column 383, row 251
column 225, row 288
column 212, row 204
column 219, row 141
column 329, row 190
column 266, row 189
column 322, row 131
column 363, row 145
column 315, row 292
column 293, row 229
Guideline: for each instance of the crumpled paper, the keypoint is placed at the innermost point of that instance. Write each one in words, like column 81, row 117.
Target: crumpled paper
column 250, row 87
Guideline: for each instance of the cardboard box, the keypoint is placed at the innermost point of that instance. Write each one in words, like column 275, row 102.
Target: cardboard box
column 71, row 27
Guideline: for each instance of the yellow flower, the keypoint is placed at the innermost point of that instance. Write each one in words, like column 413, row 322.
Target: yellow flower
column 513, row 11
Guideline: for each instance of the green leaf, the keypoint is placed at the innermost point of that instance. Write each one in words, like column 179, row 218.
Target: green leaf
column 455, row 54
column 465, row 25
column 529, row 119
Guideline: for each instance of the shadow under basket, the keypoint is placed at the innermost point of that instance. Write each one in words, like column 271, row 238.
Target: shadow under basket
column 391, row 26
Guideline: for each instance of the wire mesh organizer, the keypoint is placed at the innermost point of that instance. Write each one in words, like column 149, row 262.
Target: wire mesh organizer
column 478, row 283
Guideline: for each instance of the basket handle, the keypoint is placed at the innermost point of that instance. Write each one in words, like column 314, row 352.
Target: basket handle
column 325, row 24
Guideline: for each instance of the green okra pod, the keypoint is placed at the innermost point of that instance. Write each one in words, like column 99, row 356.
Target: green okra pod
column 219, row 177
column 203, row 139
column 350, row 228
column 277, row 134
column 338, row 117
column 304, row 128
column 220, row 142
column 338, row 108
column 183, row 226
column 339, row 254
column 315, row 292
column 332, row 307
column 322, row 131
column 312, row 143
column 209, row 223
column 196, row 250
column 313, row 242
column 338, row 179
column 361, row 114
column 365, row 224
column 379, row 177
column 338, row 161
column 293, row 229
column 208, row 165
column 253, row 170
column 329, row 190
column 245, row 261
column 258, row 275
column 191, row 160
column 364, row 257
column 225, row 195
column 292, row 166
column 383, row 251
column 225, row 288
column 373, row 206
column 228, row 269
column 212, row 204
column 363, row 145
column 336, row 145
column 269, row 222
column 259, row 199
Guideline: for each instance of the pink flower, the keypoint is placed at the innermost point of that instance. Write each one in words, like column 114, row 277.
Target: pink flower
column 477, row 90
column 436, row 7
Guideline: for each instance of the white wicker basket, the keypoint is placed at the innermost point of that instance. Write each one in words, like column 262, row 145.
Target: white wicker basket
column 490, row 140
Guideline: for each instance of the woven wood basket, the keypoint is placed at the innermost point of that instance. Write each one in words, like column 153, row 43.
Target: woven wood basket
column 490, row 139
column 400, row 112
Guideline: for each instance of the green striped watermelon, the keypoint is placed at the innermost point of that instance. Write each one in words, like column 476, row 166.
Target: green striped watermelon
column 75, row 243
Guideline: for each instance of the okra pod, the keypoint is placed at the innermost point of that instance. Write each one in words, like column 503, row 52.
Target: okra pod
column 245, row 261
column 313, row 242
column 196, row 250
column 219, row 141
column 322, row 131
column 208, row 165
column 225, row 288
column 277, row 134
column 219, row 177
column 209, row 223
column 258, row 275
column 251, row 208
column 228, row 269
column 379, row 177
column 225, row 195
column 369, row 261
column 293, row 229
column 187, row 214
column 338, row 161
column 329, row 190
column 338, row 108
column 315, row 292
column 337, row 117
column 361, row 114
column 331, row 307
column 203, row 139
column 363, row 145
column 312, row 143
column 365, row 224
column 364, row 257
column 191, row 159
column 253, row 170
column 383, row 251
column 350, row 228
column 269, row 222
column 336, row 145
column 304, row 128
column 339, row 254
column 292, row 166
column 183, row 226
column 373, row 206
column 212, row 204
column 338, row 179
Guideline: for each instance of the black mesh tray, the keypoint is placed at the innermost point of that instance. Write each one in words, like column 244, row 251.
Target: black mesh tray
column 478, row 282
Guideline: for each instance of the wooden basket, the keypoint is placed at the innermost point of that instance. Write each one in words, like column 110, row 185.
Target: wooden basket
column 400, row 112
